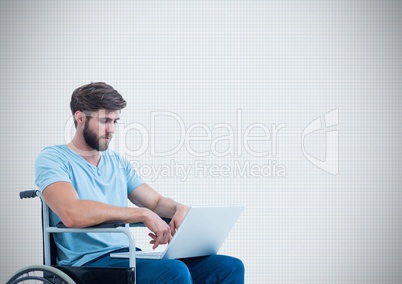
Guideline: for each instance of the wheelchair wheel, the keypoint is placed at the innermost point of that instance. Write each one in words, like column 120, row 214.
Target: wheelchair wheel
column 40, row 274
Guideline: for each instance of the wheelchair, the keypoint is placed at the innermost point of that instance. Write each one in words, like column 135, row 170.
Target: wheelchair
column 51, row 273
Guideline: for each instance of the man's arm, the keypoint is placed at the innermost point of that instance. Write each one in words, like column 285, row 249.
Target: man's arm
column 145, row 196
column 73, row 212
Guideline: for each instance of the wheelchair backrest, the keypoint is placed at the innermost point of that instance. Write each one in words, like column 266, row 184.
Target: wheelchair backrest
column 49, row 245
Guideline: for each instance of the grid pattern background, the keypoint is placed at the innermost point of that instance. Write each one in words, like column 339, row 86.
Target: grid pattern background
column 210, row 81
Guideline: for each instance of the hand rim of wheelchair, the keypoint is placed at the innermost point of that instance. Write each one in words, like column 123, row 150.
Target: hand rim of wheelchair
column 52, row 273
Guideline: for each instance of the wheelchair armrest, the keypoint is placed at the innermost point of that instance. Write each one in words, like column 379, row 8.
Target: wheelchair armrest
column 102, row 225
column 140, row 224
column 123, row 230
column 107, row 227
column 112, row 224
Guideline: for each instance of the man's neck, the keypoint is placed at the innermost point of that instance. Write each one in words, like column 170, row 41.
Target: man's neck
column 91, row 155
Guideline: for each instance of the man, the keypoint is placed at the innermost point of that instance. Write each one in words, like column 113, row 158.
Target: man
column 85, row 183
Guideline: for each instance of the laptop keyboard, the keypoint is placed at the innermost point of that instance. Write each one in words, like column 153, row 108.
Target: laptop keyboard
column 153, row 253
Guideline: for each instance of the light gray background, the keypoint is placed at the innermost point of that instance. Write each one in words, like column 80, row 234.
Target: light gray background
column 277, row 62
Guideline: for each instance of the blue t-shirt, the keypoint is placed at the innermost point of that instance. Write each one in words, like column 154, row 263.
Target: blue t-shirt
column 110, row 182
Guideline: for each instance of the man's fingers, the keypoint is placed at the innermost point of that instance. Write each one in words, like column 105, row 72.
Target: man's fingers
column 172, row 228
column 160, row 238
column 156, row 244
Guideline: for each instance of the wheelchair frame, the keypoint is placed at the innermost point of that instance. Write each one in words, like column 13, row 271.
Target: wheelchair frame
column 50, row 273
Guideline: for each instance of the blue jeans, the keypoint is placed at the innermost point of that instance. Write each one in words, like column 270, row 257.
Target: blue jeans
column 207, row 269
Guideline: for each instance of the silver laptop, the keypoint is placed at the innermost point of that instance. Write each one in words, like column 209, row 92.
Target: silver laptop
column 202, row 232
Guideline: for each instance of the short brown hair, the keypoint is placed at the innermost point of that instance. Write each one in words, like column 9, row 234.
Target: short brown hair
column 95, row 96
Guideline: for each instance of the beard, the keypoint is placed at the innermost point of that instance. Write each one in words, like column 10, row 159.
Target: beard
column 92, row 139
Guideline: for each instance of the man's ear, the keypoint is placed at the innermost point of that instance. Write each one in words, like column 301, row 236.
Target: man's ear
column 79, row 117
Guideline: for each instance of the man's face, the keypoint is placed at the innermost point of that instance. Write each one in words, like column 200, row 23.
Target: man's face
column 99, row 128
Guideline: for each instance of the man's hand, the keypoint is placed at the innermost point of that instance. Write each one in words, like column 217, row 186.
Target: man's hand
column 177, row 218
column 161, row 233
column 156, row 205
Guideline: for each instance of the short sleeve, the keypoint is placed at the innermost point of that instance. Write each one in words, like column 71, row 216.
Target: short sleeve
column 50, row 167
column 133, row 179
